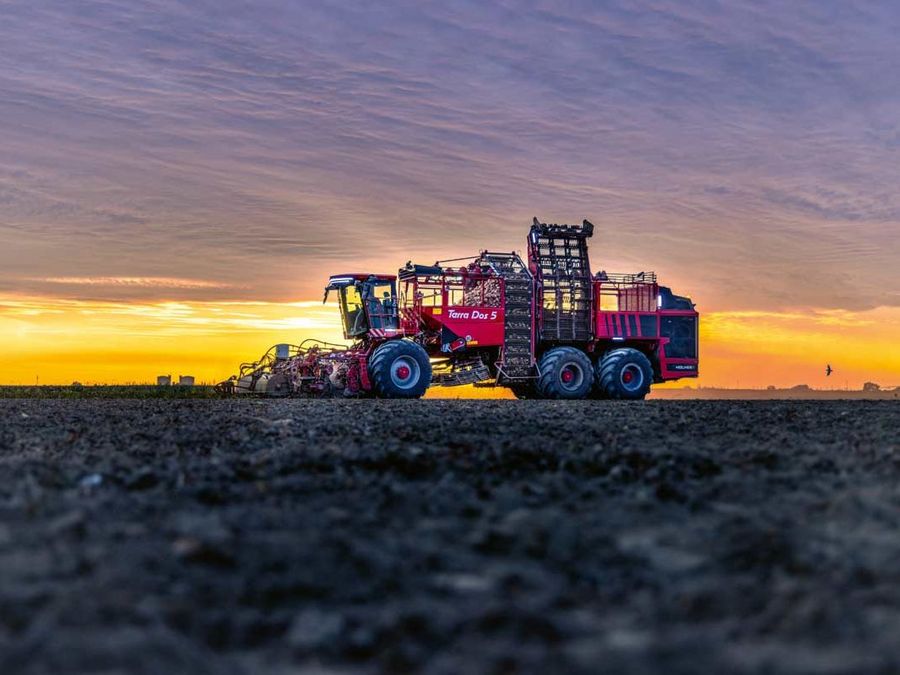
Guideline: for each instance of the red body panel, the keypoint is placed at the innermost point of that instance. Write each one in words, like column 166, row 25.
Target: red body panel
column 479, row 326
column 673, row 368
column 462, row 307
column 613, row 325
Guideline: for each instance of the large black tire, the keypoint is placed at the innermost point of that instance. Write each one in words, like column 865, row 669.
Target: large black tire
column 566, row 373
column 400, row 369
column 624, row 374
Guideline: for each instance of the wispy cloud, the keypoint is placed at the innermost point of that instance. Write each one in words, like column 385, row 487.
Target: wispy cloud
column 143, row 282
column 746, row 150
column 128, row 320
column 809, row 317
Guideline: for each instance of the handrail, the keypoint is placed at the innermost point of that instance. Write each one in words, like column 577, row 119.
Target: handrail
column 620, row 278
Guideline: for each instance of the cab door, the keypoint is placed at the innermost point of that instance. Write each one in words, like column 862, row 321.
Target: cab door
column 353, row 312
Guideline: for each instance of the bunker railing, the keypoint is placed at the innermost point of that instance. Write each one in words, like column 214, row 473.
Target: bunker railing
column 627, row 292
column 616, row 278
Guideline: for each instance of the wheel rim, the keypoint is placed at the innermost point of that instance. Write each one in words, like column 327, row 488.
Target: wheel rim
column 632, row 377
column 571, row 377
column 405, row 372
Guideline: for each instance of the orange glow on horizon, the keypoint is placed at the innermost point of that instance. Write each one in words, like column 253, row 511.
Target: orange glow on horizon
column 95, row 342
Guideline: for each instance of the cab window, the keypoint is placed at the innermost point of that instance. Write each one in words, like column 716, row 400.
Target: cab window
column 381, row 300
column 355, row 322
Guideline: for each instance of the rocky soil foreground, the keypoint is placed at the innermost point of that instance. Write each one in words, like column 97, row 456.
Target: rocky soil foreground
column 449, row 537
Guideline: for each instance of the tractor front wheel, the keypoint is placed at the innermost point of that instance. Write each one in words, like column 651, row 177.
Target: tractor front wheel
column 400, row 369
column 566, row 373
column 624, row 374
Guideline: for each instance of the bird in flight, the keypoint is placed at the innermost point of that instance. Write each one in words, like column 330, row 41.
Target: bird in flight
column 828, row 370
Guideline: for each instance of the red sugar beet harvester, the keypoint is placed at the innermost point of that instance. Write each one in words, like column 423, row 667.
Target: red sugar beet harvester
column 545, row 327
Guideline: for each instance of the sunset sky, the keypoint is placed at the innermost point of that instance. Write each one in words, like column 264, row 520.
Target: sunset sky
column 178, row 179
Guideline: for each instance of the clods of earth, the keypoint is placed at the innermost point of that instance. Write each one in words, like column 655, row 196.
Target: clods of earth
column 249, row 536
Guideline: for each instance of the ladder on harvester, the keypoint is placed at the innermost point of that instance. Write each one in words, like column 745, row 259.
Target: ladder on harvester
column 517, row 359
column 559, row 257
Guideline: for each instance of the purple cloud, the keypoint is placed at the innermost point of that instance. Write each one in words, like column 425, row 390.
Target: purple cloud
column 747, row 151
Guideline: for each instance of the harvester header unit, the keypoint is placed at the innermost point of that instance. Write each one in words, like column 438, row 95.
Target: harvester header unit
column 545, row 327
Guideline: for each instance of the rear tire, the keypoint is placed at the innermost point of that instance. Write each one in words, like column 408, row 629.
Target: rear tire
column 400, row 369
column 566, row 373
column 624, row 374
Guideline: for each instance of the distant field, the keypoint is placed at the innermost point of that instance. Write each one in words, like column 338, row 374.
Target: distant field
column 107, row 391
column 141, row 391
column 709, row 393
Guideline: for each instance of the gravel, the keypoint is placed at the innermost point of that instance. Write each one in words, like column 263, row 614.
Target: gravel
column 245, row 536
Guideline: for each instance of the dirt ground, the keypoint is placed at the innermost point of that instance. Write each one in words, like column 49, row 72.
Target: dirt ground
column 196, row 536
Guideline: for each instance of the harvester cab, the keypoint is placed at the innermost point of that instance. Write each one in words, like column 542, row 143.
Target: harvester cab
column 368, row 304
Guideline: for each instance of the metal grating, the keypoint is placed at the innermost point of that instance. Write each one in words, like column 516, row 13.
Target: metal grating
column 558, row 256
column 517, row 359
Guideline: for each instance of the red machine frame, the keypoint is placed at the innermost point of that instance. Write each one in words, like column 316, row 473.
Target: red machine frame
column 495, row 319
